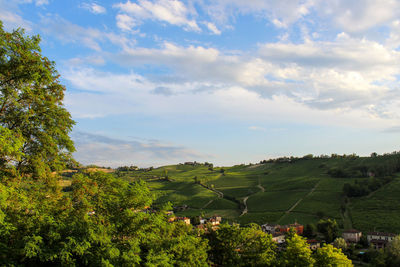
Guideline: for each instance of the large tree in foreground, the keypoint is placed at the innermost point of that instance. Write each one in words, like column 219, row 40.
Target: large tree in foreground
column 33, row 122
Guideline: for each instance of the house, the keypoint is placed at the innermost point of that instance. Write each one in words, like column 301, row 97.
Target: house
column 278, row 238
column 380, row 239
column 276, row 228
column 269, row 228
column 177, row 219
column 313, row 244
column 215, row 220
column 183, row 219
column 297, row 227
column 351, row 236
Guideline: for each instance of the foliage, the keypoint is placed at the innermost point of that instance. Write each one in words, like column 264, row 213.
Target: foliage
column 329, row 256
column 103, row 220
column 340, row 243
column 31, row 108
column 393, row 252
column 310, row 230
column 235, row 246
column 364, row 187
column 329, row 228
column 296, row 252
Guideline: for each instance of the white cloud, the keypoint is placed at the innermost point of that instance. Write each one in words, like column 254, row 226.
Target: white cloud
column 125, row 22
column 356, row 16
column 213, row 28
column 94, row 8
column 322, row 74
column 280, row 12
column 349, row 16
column 41, row 2
column 105, row 151
column 96, row 60
column 112, row 94
column 12, row 21
column 93, row 38
column 11, row 18
column 173, row 12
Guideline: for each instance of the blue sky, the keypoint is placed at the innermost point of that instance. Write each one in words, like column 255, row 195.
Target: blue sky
column 154, row 82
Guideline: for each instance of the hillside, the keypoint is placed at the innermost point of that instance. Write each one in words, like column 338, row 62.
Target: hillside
column 284, row 190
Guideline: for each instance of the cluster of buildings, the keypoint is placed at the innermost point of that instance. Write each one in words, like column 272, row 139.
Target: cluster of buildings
column 214, row 221
column 278, row 231
column 352, row 236
column 377, row 239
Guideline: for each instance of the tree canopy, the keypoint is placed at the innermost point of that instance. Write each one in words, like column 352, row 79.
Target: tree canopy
column 33, row 121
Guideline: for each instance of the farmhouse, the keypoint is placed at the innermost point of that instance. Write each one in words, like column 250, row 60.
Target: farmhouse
column 380, row 239
column 297, row 227
column 313, row 244
column 269, row 228
column 177, row 219
column 278, row 238
column 351, row 236
column 215, row 220
column 276, row 228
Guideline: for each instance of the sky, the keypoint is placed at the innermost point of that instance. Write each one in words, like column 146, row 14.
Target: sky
column 156, row 82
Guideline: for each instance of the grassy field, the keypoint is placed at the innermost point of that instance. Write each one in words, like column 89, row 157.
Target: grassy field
column 302, row 190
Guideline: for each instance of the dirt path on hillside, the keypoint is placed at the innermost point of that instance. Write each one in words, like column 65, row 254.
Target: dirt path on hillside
column 245, row 206
column 208, row 203
column 347, row 223
column 260, row 186
column 219, row 193
column 379, row 189
column 298, row 202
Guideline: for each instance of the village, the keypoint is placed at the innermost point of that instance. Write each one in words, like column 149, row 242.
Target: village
column 351, row 237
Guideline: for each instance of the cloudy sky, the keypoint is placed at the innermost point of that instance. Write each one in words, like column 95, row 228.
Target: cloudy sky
column 152, row 82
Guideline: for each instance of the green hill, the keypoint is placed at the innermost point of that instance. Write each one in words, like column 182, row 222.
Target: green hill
column 286, row 190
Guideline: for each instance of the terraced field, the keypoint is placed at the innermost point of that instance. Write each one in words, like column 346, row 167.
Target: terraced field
column 301, row 191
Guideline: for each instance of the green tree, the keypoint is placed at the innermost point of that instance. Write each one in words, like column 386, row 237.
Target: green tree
column 297, row 252
column 246, row 246
column 393, row 252
column 329, row 256
column 329, row 228
column 103, row 220
column 31, row 108
column 310, row 230
column 340, row 243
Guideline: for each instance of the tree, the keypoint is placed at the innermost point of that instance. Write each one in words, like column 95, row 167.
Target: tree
column 393, row 252
column 236, row 246
column 340, row 243
column 310, row 230
column 329, row 256
column 297, row 252
column 100, row 222
column 31, row 108
column 329, row 228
